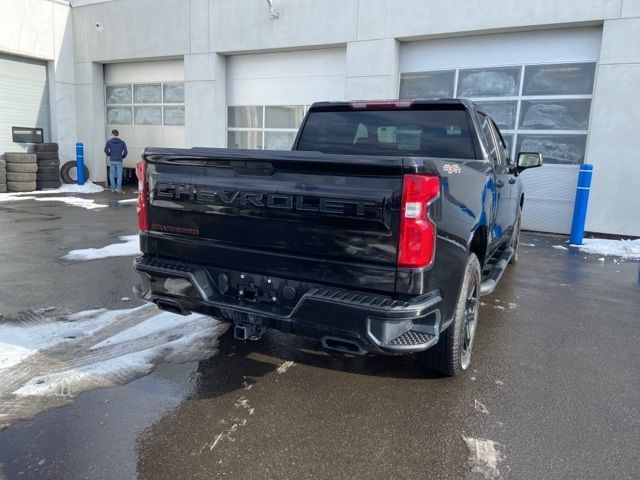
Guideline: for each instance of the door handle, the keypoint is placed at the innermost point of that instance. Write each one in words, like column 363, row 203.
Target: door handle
column 512, row 181
column 499, row 184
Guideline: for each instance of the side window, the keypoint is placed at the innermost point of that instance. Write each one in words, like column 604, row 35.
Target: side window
column 488, row 139
column 503, row 153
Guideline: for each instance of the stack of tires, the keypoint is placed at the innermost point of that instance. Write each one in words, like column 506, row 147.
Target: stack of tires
column 48, row 165
column 3, row 175
column 21, row 172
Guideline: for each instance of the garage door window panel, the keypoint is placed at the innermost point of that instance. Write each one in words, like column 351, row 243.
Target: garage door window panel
column 173, row 116
column 427, row 84
column 245, row 117
column 555, row 149
column 147, row 93
column 285, row 116
column 555, row 114
column 148, row 115
column 272, row 127
column 503, row 113
column 561, row 79
column 279, row 140
column 119, row 116
column 245, row 139
column 118, row 95
column 173, row 93
column 489, row 82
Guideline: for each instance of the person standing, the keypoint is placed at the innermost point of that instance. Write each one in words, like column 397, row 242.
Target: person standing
column 116, row 150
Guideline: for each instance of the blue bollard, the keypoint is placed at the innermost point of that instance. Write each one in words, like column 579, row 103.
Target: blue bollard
column 580, row 207
column 80, row 163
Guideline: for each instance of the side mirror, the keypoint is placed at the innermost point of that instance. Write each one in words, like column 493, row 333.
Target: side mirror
column 528, row 160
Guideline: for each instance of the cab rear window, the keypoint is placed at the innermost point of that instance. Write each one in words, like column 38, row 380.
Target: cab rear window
column 429, row 133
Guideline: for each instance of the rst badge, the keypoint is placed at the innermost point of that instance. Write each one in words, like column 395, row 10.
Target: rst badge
column 452, row 168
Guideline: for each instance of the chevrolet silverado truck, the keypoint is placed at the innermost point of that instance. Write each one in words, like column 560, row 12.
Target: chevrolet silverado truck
column 377, row 233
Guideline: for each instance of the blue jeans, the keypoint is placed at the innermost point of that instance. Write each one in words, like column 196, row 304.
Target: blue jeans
column 115, row 175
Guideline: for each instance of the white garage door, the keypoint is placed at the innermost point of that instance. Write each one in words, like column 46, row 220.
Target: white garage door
column 538, row 86
column 267, row 94
column 24, row 99
column 144, row 101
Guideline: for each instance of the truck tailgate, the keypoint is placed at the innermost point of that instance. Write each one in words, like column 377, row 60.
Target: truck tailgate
column 314, row 217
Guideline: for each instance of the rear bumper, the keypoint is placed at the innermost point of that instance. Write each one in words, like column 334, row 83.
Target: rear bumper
column 375, row 323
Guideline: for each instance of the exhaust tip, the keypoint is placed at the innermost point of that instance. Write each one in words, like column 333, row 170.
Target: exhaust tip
column 342, row 345
column 170, row 306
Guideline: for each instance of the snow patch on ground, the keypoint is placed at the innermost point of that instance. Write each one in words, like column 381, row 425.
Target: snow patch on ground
column 45, row 362
column 285, row 366
column 19, row 340
column 85, row 203
column 484, row 457
column 480, row 407
column 43, row 195
column 560, row 247
column 627, row 249
column 87, row 188
column 131, row 246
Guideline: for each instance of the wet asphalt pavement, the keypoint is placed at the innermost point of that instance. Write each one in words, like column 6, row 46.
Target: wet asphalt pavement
column 554, row 380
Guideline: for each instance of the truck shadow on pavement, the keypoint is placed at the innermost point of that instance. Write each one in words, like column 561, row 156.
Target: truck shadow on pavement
column 253, row 359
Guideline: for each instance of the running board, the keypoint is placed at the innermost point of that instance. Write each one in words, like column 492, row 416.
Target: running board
column 495, row 274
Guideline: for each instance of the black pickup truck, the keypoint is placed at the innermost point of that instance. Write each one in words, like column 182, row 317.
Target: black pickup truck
column 377, row 233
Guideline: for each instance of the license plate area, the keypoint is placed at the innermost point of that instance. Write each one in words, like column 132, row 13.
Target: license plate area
column 256, row 289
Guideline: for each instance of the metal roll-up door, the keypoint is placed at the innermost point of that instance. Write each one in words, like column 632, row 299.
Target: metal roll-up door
column 24, row 99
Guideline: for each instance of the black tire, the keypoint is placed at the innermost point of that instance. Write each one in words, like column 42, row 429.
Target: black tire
column 48, row 177
column 54, row 162
column 3, row 163
column 47, row 155
column 22, row 167
column 20, row 158
column 21, row 177
column 21, row 186
column 49, row 170
column 68, row 172
column 515, row 238
column 452, row 354
column 43, row 185
column 3, row 187
column 45, row 147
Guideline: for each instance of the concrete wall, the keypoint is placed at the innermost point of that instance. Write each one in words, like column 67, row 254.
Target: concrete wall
column 614, row 148
column 43, row 29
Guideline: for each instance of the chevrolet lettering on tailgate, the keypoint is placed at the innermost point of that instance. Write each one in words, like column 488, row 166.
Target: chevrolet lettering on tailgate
column 303, row 203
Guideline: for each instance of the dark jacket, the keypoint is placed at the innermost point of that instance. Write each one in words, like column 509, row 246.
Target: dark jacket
column 116, row 149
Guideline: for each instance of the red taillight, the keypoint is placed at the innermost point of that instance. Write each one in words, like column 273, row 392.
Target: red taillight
column 416, row 245
column 143, row 195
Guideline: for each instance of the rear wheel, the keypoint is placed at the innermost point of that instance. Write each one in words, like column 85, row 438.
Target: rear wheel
column 452, row 354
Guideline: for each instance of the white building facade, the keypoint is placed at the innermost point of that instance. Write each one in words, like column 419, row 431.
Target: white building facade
column 558, row 77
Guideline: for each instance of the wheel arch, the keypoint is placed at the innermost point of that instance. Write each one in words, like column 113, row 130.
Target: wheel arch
column 478, row 243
